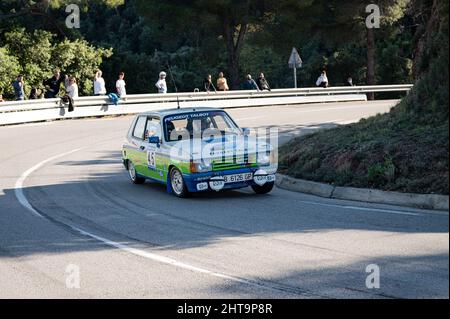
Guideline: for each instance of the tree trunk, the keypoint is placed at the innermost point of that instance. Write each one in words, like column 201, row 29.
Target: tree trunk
column 370, row 60
column 234, row 48
column 233, row 70
column 424, row 39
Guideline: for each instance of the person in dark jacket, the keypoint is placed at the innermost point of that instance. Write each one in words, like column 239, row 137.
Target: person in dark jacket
column 250, row 84
column 262, row 83
column 208, row 86
column 349, row 81
column 18, row 86
column 33, row 94
column 53, row 84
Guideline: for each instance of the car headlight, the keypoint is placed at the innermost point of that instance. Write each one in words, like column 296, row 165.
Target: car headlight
column 264, row 158
column 201, row 167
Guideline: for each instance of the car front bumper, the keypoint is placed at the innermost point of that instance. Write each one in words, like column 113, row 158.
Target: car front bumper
column 198, row 182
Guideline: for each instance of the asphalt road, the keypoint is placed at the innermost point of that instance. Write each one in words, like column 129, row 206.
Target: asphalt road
column 73, row 226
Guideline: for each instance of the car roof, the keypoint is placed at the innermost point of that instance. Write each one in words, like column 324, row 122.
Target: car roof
column 174, row 111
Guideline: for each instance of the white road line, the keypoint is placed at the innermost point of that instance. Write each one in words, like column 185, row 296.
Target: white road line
column 145, row 254
column 18, row 189
column 138, row 252
column 379, row 210
column 161, row 259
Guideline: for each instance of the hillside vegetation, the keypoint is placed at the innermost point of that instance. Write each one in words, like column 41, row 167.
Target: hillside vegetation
column 404, row 150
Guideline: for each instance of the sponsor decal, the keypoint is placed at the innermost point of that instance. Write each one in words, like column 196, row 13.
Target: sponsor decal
column 260, row 177
column 216, row 183
column 202, row 186
column 151, row 157
column 189, row 116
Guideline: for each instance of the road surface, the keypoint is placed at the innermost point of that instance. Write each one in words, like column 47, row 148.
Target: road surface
column 73, row 226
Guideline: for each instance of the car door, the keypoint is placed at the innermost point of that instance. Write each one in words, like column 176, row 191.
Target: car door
column 138, row 152
column 155, row 167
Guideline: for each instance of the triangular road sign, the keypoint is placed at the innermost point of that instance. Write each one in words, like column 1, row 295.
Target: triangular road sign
column 295, row 59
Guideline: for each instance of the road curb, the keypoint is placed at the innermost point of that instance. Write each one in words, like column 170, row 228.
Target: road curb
column 427, row 201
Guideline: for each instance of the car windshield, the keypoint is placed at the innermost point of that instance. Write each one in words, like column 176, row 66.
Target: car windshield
column 208, row 124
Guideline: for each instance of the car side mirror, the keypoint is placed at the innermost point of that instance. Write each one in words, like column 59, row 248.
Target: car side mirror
column 246, row 131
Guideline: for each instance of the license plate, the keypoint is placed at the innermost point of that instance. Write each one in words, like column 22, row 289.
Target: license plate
column 236, row 178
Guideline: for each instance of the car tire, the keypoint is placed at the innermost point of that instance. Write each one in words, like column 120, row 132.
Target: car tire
column 177, row 183
column 135, row 179
column 264, row 189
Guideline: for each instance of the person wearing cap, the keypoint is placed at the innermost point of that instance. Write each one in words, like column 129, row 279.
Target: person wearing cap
column 322, row 81
column 99, row 84
column 161, row 84
column 18, row 88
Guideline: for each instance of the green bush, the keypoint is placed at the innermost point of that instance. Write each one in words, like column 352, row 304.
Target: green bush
column 37, row 53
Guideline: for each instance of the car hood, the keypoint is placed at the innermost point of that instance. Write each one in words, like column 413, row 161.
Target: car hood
column 226, row 146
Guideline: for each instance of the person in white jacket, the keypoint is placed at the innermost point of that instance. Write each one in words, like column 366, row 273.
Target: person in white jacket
column 120, row 85
column 322, row 80
column 72, row 88
column 99, row 84
column 161, row 84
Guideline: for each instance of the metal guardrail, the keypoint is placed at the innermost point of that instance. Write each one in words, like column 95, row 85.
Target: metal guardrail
column 49, row 109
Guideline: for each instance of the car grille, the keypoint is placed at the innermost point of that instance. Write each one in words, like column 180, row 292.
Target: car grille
column 232, row 163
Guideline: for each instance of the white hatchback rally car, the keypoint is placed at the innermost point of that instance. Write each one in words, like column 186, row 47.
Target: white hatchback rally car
column 198, row 149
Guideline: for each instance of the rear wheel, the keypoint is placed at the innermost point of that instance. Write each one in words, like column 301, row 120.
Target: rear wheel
column 133, row 175
column 264, row 189
column 177, row 183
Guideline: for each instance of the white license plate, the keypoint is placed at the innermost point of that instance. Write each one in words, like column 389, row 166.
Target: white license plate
column 236, row 178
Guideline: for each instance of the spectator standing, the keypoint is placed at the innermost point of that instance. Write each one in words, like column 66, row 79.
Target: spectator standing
column 99, row 83
column 18, row 86
column 66, row 81
column 208, row 86
column 33, row 94
column 322, row 80
column 349, row 81
column 53, row 84
column 250, row 84
column 120, row 85
column 262, row 83
column 222, row 84
column 161, row 84
column 72, row 88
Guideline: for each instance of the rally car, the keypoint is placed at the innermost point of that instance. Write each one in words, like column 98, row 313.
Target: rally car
column 197, row 150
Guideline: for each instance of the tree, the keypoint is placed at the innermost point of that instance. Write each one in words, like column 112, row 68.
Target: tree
column 198, row 21
column 46, row 14
column 9, row 69
column 429, row 99
column 332, row 24
column 37, row 54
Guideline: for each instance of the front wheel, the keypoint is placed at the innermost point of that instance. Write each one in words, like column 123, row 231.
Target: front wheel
column 177, row 183
column 133, row 175
column 264, row 189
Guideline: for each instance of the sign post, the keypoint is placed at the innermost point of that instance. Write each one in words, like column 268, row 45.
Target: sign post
column 295, row 77
column 295, row 62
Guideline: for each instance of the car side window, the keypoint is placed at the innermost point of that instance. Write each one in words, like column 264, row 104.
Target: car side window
column 153, row 127
column 175, row 129
column 139, row 128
